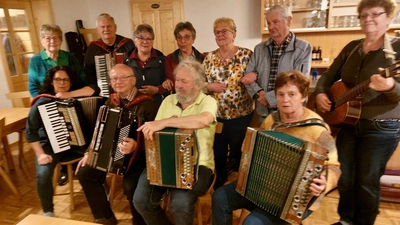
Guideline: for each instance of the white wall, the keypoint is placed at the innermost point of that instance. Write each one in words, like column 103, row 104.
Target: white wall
column 202, row 13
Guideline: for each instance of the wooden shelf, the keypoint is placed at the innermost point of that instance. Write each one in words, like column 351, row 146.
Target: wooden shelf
column 319, row 64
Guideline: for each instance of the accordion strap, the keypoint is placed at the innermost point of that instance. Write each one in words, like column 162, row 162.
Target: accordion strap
column 40, row 96
column 308, row 122
column 116, row 101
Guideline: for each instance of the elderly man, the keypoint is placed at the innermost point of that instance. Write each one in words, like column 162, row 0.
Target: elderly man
column 109, row 43
column 127, row 97
column 283, row 51
column 189, row 108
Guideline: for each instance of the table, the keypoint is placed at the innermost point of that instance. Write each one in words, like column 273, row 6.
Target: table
column 15, row 120
column 33, row 219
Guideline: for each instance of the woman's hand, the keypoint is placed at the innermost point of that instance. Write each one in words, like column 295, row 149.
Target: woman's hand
column 318, row 185
column 64, row 95
column 127, row 146
column 249, row 78
column 82, row 163
column 44, row 159
column 216, row 87
column 149, row 90
column 323, row 102
column 168, row 84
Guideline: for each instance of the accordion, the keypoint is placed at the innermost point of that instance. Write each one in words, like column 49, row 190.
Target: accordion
column 170, row 158
column 103, row 64
column 276, row 171
column 66, row 122
column 112, row 126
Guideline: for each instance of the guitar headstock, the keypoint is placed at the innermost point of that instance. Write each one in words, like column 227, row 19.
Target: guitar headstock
column 392, row 71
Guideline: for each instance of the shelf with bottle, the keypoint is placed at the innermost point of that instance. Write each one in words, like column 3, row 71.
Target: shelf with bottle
column 307, row 14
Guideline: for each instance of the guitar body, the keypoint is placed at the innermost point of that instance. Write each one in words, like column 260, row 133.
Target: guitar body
column 347, row 113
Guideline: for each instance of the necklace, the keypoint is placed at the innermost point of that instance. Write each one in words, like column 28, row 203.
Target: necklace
column 224, row 60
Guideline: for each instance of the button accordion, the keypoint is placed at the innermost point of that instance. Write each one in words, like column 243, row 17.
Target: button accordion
column 276, row 170
column 67, row 122
column 112, row 126
column 170, row 158
column 103, row 64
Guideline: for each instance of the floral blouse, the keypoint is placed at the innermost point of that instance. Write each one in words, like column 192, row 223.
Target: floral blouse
column 233, row 102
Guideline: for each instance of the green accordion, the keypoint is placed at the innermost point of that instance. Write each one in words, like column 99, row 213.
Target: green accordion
column 276, row 170
column 170, row 158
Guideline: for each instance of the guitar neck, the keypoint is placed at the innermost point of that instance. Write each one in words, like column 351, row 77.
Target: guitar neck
column 352, row 93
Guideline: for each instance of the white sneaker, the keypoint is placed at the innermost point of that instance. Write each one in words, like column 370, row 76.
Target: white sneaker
column 49, row 214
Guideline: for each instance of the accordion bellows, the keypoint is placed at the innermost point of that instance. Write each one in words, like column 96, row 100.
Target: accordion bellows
column 170, row 158
column 276, row 170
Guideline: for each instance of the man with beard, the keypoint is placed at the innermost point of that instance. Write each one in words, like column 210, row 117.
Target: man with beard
column 189, row 108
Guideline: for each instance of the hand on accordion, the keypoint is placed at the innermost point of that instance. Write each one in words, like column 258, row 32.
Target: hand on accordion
column 44, row 159
column 148, row 128
column 318, row 185
column 127, row 146
column 64, row 95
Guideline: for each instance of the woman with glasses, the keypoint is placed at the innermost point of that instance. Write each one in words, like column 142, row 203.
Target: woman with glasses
column 224, row 67
column 51, row 38
column 147, row 63
column 58, row 80
column 185, row 34
column 365, row 145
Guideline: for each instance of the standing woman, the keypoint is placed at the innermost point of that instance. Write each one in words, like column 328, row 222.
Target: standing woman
column 185, row 34
column 51, row 38
column 365, row 147
column 59, row 79
column 147, row 64
column 224, row 68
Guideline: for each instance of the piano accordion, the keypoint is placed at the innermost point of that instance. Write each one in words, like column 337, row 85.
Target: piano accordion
column 112, row 126
column 170, row 158
column 276, row 170
column 103, row 64
column 66, row 121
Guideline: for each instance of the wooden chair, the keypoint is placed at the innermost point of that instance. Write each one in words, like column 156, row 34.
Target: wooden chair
column 2, row 172
column 68, row 162
column 204, row 198
column 20, row 99
column 89, row 35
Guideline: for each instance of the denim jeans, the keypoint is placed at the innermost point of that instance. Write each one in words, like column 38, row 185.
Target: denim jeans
column 363, row 151
column 226, row 199
column 231, row 138
column 182, row 202
column 44, row 175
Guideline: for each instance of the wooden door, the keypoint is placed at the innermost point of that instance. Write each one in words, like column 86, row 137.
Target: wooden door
column 19, row 42
column 162, row 15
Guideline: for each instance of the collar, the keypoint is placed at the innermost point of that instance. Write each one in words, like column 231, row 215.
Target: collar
column 62, row 58
column 135, row 54
column 129, row 97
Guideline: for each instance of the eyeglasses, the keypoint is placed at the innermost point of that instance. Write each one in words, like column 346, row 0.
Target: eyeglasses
column 60, row 80
column 123, row 79
column 372, row 15
column 223, row 32
column 180, row 38
column 54, row 38
column 142, row 39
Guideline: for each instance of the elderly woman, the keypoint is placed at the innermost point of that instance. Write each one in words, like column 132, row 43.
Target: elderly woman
column 291, row 89
column 59, row 79
column 365, row 147
column 147, row 64
column 185, row 34
column 224, row 67
column 51, row 38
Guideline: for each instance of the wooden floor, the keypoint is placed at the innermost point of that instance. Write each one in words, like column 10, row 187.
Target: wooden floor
column 13, row 210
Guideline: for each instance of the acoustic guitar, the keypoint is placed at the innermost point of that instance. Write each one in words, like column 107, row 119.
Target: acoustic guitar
column 346, row 101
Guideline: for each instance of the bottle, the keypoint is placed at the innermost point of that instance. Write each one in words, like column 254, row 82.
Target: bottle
column 314, row 53
column 314, row 74
column 319, row 53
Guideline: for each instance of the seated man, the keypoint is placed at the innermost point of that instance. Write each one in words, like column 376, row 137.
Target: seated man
column 291, row 89
column 123, row 83
column 189, row 108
